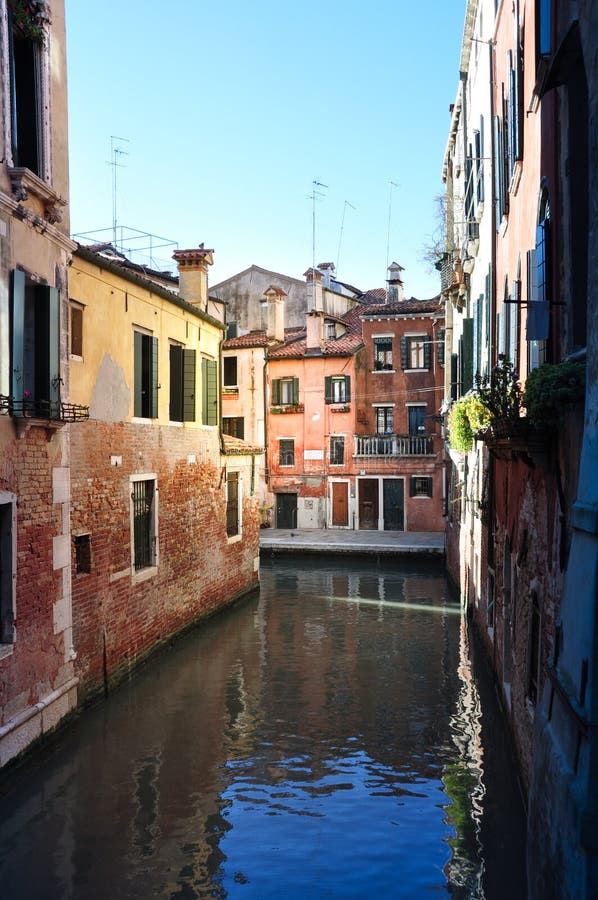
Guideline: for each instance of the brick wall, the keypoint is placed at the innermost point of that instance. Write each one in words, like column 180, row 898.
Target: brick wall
column 116, row 620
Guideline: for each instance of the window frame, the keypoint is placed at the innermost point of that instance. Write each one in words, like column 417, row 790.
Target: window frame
column 288, row 450
column 421, row 407
column 35, row 347
column 182, row 383
column 385, row 411
column 234, row 432
column 233, row 505
column 227, row 365
column 337, row 389
column 337, row 440
column 421, row 487
column 8, row 570
column 383, row 353
column 209, row 391
column 142, row 572
column 408, row 344
column 287, row 385
column 76, row 311
column 145, row 374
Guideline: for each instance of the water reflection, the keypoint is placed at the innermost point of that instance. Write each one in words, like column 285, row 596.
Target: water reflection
column 324, row 740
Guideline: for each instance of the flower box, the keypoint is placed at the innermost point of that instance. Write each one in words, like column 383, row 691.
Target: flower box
column 290, row 408
column 340, row 409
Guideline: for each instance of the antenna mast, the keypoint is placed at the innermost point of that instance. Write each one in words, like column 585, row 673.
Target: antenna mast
column 338, row 254
column 391, row 185
column 115, row 152
column 314, row 193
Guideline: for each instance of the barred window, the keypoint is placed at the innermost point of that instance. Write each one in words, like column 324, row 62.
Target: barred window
column 232, row 504
column 337, row 451
column 144, row 522
column 420, row 486
column 287, row 452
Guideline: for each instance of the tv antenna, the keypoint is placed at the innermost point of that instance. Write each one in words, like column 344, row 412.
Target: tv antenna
column 315, row 193
column 115, row 153
column 391, row 185
column 340, row 237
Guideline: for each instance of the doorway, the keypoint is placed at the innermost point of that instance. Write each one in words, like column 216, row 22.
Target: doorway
column 286, row 510
column 394, row 504
column 368, row 503
column 340, row 504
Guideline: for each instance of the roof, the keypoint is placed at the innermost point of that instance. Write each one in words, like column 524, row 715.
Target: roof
column 410, row 307
column 234, row 446
column 277, row 276
column 375, row 295
column 347, row 344
column 257, row 339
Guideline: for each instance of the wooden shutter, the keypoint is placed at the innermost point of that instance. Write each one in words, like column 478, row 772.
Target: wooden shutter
column 189, row 378
column 52, row 299
column 347, row 388
column 454, row 375
column 295, row 390
column 467, row 370
column 328, row 389
column 212, row 392
column 440, row 346
column 427, row 352
column 18, row 335
column 154, row 385
column 137, row 366
column 501, row 332
column 513, row 335
column 404, row 349
column 498, row 172
column 176, row 383
column 275, row 391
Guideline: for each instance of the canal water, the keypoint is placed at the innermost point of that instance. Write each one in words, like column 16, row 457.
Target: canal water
column 336, row 736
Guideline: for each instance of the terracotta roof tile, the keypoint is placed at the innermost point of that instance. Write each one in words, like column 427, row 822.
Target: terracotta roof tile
column 405, row 308
column 234, row 446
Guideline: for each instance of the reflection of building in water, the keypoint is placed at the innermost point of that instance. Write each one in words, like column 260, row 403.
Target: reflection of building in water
column 463, row 781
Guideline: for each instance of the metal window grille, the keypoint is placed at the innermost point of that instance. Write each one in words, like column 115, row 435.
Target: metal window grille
column 337, row 451
column 232, row 504
column 143, row 504
column 287, row 453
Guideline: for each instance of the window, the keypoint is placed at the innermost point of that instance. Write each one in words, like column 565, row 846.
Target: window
column 146, row 375
column 25, row 98
column 82, row 553
column 420, row 486
column 287, row 452
column 8, row 558
column 229, row 371
column 182, row 384
column 144, row 521
column 543, row 28
column 337, row 388
column 490, row 600
column 382, row 353
column 415, row 351
column 330, row 331
column 209, row 392
column 539, row 269
column 76, row 311
column 337, row 451
column 417, row 416
column 285, row 391
column 234, row 426
column 440, row 346
column 35, row 336
column 384, row 419
column 231, row 330
column 233, row 496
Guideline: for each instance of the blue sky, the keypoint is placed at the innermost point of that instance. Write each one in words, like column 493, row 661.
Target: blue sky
column 232, row 109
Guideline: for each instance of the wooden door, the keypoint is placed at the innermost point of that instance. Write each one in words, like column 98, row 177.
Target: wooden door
column 394, row 504
column 286, row 510
column 368, row 503
column 340, row 503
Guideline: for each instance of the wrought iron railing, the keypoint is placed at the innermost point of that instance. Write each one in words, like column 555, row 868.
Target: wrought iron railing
column 394, row 445
column 54, row 411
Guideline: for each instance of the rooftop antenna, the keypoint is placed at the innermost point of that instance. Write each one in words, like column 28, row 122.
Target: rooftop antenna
column 391, row 185
column 115, row 152
column 314, row 193
column 338, row 254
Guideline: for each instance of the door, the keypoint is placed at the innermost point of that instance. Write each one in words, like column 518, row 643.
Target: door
column 340, row 503
column 368, row 503
column 286, row 510
column 394, row 504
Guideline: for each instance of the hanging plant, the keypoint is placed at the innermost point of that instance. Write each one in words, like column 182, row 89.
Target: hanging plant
column 30, row 18
column 460, row 433
column 552, row 390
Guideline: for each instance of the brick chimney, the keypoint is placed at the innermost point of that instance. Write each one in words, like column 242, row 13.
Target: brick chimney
column 313, row 288
column 193, row 275
column 314, row 322
column 274, row 297
column 394, row 293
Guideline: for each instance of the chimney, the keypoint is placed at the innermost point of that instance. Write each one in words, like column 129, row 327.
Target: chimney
column 274, row 298
column 394, row 293
column 314, row 322
column 193, row 275
column 313, row 289
column 327, row 270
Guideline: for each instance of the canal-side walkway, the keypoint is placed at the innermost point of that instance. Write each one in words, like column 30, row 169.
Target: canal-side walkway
column 361, row 543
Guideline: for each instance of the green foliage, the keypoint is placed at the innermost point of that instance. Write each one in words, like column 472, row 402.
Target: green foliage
column 552, row 390
column 501, row 392
column 30, row 17
column 477, row 412
column 460, row 433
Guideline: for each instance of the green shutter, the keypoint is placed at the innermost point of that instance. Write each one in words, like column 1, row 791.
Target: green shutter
column 211, row 392
column 275, row 391
column 189, row 385
column 347, row 388
column 295, row 390
column 328, row 388
column 467, row 355
column 154, row 389
column 53, row 302
column 18, row 333
column 176, row 384
column 427, row 352
column 404, row 359
column 454, row 376
column 440, row 346
column 137, row 356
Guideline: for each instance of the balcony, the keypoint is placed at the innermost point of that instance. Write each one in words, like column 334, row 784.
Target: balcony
column 370, row 445
column 47, row 414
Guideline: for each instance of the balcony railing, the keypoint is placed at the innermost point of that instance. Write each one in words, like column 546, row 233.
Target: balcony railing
column 54, row 411
column 394, row 445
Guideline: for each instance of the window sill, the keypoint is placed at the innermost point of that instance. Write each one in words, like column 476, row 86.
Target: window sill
column 24, row 182
column 24, row 423
column 415, row 370
column 75, row 358
column 143, row 574
column 175, row 423
column 233, row 539
column 141, row 420
column 384, row 371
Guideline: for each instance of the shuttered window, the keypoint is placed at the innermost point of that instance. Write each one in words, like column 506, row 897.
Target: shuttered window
column 467, row 360
column 209, row 392
column 146, row 375
column 182, row 384
column 285, row 391
column 232, row 504
column 440, row 346
column 35, row 347
column 337, row 388
column 416, row 351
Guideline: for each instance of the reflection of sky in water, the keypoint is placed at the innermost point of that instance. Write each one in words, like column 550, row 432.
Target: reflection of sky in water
column 324, row 740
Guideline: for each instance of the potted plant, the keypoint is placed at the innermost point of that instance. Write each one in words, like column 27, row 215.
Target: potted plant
column 552, row 390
